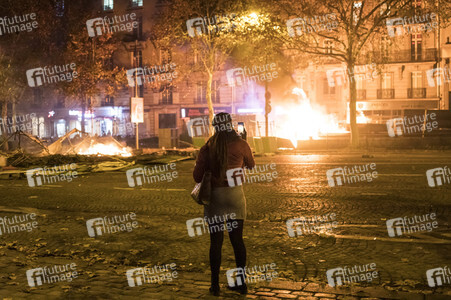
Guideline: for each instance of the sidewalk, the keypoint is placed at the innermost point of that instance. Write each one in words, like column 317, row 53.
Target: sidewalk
column 284, row 289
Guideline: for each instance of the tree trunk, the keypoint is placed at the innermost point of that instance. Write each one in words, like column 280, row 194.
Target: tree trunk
column 211, row 110
column 352, row 106
column 83, row 110
column 13, row 111
column 4, row 128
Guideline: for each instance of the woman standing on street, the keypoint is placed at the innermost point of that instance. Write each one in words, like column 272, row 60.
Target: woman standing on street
column 225, row 150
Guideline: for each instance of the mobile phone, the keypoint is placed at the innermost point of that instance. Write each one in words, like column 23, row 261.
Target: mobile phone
column 240, row 128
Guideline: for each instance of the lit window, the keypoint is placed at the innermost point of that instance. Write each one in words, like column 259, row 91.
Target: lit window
column 108, row 4
column 137, row 3
column 357, row 10
column 328, row 45
column 59, row 8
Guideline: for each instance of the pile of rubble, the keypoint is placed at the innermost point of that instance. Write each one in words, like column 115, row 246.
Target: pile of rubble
column 80, row 148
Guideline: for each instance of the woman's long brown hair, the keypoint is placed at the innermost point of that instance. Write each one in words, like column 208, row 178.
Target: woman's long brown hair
column 218, row 150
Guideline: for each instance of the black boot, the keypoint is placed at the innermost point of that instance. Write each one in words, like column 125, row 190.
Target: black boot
column 242, row 289
column 214, row 290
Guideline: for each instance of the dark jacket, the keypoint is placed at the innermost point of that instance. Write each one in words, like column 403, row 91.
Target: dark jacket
column 239, row 155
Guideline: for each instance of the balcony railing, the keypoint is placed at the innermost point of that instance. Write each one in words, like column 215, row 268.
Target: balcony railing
column 361, row 94
column 399, row 56
column 416, row 93
column 386, row 93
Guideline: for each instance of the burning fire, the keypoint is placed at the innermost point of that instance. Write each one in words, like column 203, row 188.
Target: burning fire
column 102, row 149
column 302, row 122
column 361, row 119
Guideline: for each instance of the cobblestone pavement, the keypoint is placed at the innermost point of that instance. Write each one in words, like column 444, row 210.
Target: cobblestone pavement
column 162, row 209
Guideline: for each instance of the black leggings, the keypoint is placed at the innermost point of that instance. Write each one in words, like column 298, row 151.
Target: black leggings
column 236, row 238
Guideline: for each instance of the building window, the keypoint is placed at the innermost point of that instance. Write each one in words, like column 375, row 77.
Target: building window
column 387, row 81
column 165, row 56
column 59, row 5
column 328, row 45
column 60, row 103
column 138, row 30
column 201, row 92
column 108, row 101
column 359, row 80
column 385, row 46
column 167, row 121
column 37, row 95
column 357, row 9
column 385, row 9
column 196, row 57
column 136, row 3
column 416, row 48
column 137, row 59
column 167, row 94
column 108, row 4
column 417, row 3
column 327, row 89
column 417, row 79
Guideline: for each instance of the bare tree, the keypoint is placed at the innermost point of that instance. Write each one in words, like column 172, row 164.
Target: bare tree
column 205, row 29
column 358, row 24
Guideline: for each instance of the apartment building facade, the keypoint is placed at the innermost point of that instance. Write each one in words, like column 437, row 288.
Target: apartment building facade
column 169, row 101
column 408, row 68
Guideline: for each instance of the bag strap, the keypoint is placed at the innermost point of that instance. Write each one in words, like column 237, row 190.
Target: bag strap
column 208, row 164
